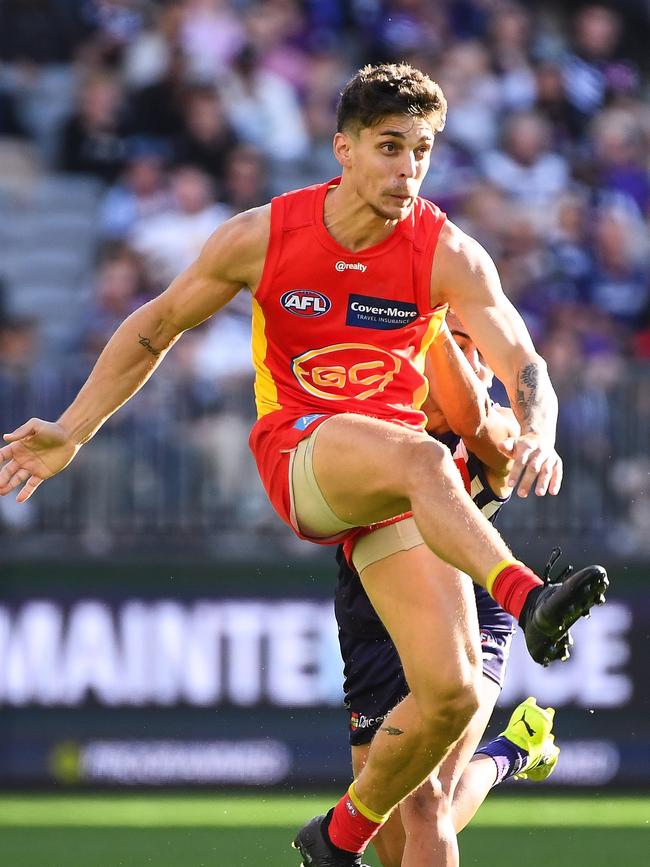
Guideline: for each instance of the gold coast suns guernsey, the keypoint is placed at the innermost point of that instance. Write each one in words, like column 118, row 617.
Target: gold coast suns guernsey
column 336, row 331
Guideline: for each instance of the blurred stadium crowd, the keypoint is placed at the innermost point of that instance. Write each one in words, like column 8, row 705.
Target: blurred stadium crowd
column 129, row 129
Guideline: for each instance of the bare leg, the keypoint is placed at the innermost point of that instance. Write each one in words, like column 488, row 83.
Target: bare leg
column 472, row 789
column 428, row 814
column 369, row 470
column 430, row 613
column 422, row 833
column 389, row 842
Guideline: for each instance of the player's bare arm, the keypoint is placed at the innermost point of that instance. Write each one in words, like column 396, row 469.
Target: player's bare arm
column 500, row 426
column 465, row 276
column 456, row 396
column 232, row 258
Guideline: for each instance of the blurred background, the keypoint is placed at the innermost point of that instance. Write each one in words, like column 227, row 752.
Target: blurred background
column 158, row 624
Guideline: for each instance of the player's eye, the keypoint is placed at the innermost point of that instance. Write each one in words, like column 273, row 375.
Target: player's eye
column 389, row 147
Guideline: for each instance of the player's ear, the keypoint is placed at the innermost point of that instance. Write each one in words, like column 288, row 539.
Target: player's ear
column 342, row 146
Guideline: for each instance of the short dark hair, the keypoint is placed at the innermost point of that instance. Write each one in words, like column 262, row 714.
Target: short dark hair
column 390, row 88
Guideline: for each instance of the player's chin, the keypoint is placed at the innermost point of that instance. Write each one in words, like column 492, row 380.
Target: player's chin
column 396, row 208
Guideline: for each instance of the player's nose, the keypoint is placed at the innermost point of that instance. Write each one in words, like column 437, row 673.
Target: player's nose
column 474, row 359
column 408, row 166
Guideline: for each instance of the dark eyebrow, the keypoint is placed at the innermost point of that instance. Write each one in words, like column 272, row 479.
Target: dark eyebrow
column 397, row 134
column 456, row 333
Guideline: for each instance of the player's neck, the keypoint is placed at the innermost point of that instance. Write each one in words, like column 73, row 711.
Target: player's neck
column 351, row 222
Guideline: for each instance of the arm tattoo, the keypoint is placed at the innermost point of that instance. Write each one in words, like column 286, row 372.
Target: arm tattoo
column 527, row 387
column 390, row 730
column 144, row 341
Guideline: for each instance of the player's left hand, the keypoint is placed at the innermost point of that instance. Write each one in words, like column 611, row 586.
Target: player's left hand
column 535, row 465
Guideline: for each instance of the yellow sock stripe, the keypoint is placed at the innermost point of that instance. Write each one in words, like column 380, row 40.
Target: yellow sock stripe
column 377, row 818
column 495, row 571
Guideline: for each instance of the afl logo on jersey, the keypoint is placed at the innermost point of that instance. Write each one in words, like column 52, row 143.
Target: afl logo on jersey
column 305, row 302
column 346, row 371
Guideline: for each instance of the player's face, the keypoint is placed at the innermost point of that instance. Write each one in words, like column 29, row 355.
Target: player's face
column 388, row 163
column 471, row 353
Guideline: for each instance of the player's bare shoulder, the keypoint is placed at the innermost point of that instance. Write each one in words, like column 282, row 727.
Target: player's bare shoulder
column 458, row 261
column 236, row 250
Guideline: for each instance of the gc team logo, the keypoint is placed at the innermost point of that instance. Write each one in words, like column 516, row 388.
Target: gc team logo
column 305, row 302
column 346, row 371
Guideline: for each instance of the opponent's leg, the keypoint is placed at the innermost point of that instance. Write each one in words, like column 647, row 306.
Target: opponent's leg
column 428, row 813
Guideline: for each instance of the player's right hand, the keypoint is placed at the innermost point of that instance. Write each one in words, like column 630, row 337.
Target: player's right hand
column 35, row 451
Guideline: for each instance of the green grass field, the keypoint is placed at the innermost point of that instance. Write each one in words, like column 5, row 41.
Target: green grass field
column 255, row 831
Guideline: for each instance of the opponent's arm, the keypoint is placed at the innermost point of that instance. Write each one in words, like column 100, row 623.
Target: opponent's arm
column 464, row 275
column 500, row 427
column 459, row 401
column 455, row 392
column 232, row 257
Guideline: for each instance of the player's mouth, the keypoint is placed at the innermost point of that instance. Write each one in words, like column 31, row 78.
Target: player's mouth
column 405, row 200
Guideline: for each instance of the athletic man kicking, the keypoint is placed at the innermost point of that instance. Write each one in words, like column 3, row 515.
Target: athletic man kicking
column 422, row 833
column 350, row 280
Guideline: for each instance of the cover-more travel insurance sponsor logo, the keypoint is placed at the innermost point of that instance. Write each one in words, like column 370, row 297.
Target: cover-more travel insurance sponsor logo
column 366, row 311
column 346, row 371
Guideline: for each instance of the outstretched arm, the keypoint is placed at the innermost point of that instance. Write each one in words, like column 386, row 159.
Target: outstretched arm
column 464, row 275
column 233, row 257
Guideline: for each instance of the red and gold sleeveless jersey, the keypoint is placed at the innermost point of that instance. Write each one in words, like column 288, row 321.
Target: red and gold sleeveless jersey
column 336, row 331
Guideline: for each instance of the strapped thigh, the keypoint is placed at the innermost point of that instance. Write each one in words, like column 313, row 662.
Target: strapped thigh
column 384, row 541
column 313, row 514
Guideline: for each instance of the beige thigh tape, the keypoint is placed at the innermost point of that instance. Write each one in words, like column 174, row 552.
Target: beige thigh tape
column 381, row 543
column 313, row 514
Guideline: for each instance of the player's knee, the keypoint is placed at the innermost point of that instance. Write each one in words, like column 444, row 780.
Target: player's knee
column 425, row 805
column 426, row 815
column 449, row 710
column 428, row 459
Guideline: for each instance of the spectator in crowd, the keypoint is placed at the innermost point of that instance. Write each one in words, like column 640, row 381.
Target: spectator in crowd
column 212, row 34
column 120, row 287
column 553, row 103
column 39, row 41
column 263, row 108
column 207, row 138
column 509, row 40
column 621, row 157
column 473, row 96
column 245, row 179
column 619, row 286
column 140, row 192
column 95, row 137
column 157, row 108
column 593, row 65
column 526, row 169
column 171, row 240
column 277, row 32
